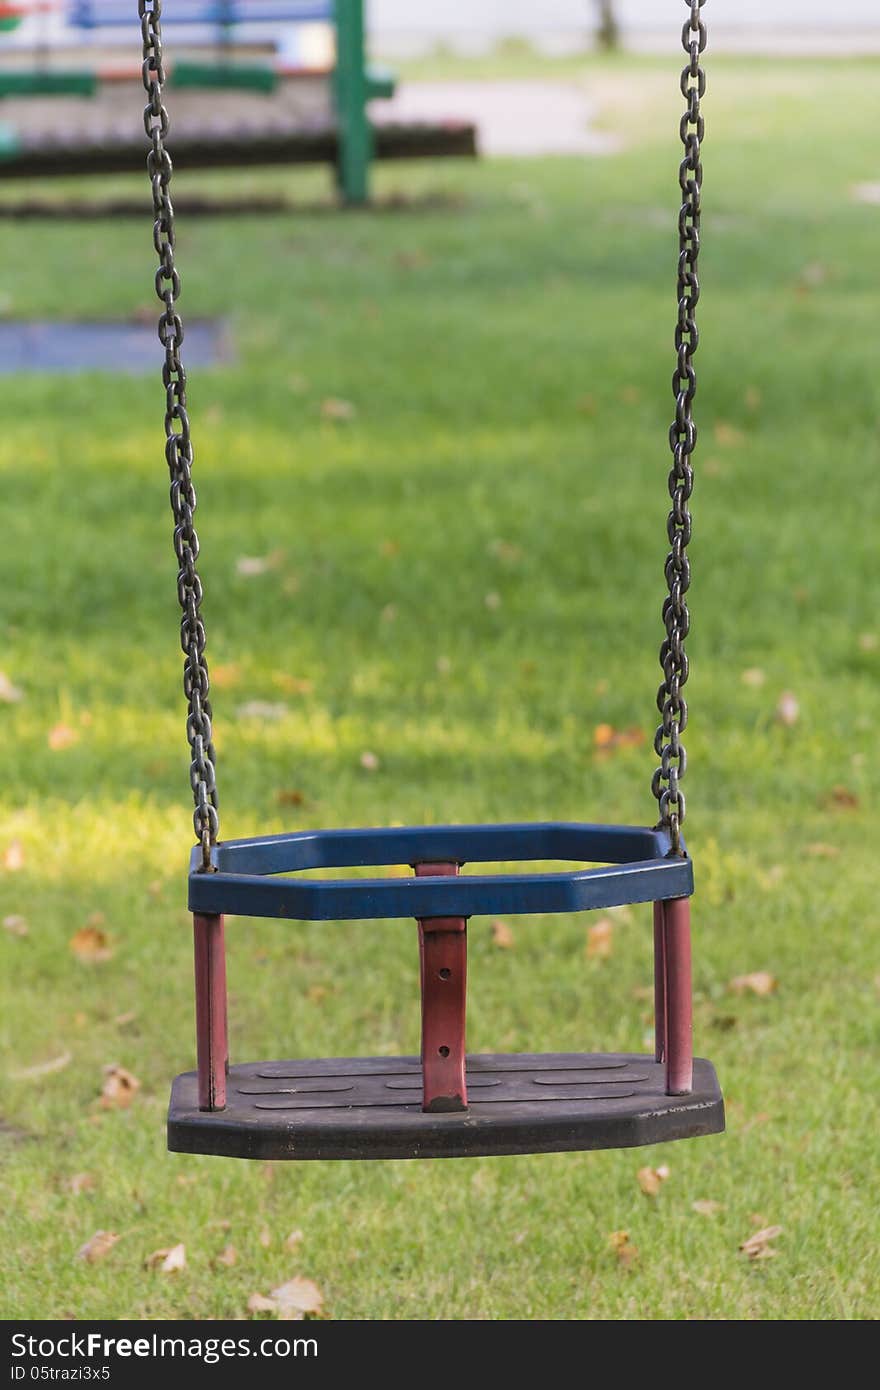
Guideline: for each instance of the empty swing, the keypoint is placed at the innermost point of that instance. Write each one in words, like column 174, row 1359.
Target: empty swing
column 443, row 1103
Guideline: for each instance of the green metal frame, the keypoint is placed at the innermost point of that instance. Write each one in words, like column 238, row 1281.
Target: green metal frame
column 48, row 83
column 242, row 77
column 355, row 83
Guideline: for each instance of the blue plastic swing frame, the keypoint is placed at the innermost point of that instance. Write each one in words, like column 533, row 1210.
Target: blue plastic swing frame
column 632, row 864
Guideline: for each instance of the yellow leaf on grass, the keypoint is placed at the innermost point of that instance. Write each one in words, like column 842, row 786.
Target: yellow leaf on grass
column 759, row 982
column 82, row 1182
column 90, row 943
column 228, row 1256
column 819, row 850
column 119, row 1089
column 100, row 1244
column 600, row 939
column 502, row 935
column 167, row 1261
column 704, row 1206
column 293, row 1241
column 758, row 1246
column 62, row 736
column 753, row 676
column 265, row 1237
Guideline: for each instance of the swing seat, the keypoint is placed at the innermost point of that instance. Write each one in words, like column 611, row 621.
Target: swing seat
column 444, row 1104
column 370, row 1107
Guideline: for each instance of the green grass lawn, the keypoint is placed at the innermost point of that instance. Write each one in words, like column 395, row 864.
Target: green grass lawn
column 464, row 580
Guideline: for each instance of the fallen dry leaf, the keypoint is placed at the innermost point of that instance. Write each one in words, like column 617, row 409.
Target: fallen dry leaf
column 250, row 566
column 753, row 676
column 726, row 434
column 502, row 935
column 259, row 1303
column 841, row 799
column 290, row 797
column 338, row 410
column 228, row 1256
column 292, row 685
column 293, row 1241
column 758, row 1246
column 788, row 710
column 819, row 850
column 9, row 693
column 650, row 1180
column 626, row 1252
column 262, row 709
column 82, row 1182
column 869, row 642
column 297, row 1298
column 226, row 675
column 265, row 1237
column 607, row 739
column 15, row 924
column 43, row 1068
column 369, row 761
column 13, row 856
column 704, row 1206
column 758, row 982
column 100, row 1244
column 62, row 736
column 167, row 1261
column 91, row 944
column 600, row 939
column 119, row 1089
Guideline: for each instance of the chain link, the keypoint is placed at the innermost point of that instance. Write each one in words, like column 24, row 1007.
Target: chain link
column 178, row 444
column 666, row 783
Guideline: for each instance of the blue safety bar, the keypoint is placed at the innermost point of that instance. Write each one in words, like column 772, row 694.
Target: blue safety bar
column 634, row 865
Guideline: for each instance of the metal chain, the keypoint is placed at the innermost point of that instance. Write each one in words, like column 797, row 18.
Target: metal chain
column 666, row 783
column 178, row 444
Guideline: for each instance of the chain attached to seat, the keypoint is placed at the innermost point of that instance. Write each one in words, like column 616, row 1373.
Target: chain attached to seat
column 666, row 783
column 178, row 444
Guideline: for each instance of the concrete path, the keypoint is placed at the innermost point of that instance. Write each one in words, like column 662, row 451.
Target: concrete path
column 513, row 118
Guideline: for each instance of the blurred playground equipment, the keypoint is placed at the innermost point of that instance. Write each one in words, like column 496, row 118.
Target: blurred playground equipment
column 259, row 82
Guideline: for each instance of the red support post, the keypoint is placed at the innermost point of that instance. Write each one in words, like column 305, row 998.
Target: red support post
column 676, row 933
column 443, row 974
column 211, row 1039
column 659, row 986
